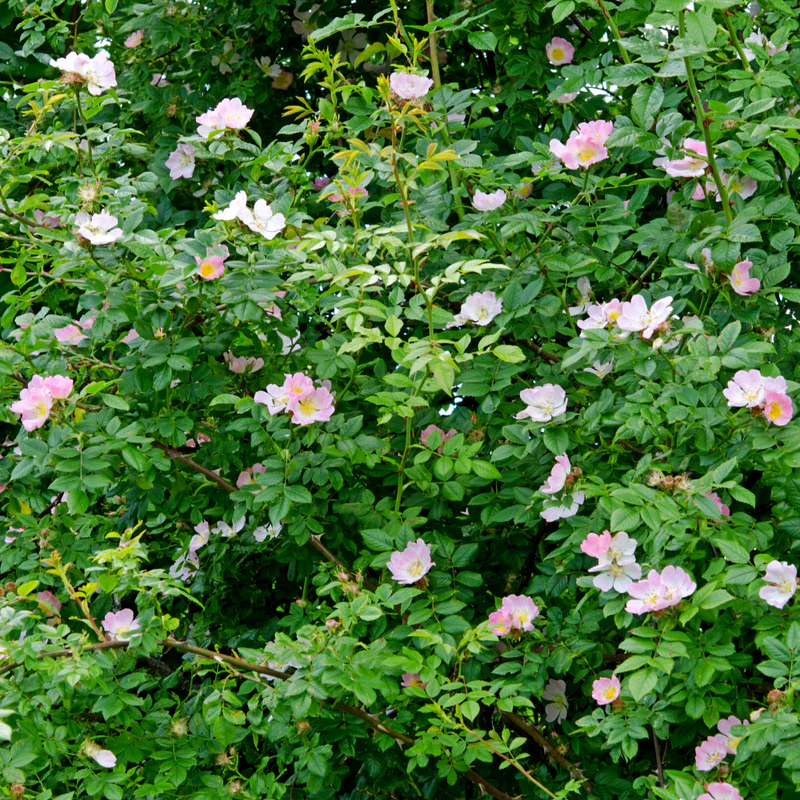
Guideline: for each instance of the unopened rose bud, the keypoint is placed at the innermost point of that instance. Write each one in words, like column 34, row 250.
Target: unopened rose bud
column 723, row 770
column 332, row 624
column 10, row 587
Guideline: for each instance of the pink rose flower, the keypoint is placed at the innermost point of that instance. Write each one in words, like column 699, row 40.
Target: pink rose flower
column 181, row 162
column 412, row 679
column 499, row 623
column 105, row 758
column 264, row 221
column 777, row 408
column 135, row 39
column 409, row 87
column 558, row 475
column 318, row 184
column 595, row 545
column 720, row 791
column 240, row 364
column 710, row 753
column 275, row 398
column 97, row 72
column 283, row 80
column 520, row 610
column 559, row 51
column 724, row 510
column 616, row 573
column 781, row 580
column 658, row 592
column 47, row 220
column 566, row 98
column 599, row 129
column 314, row 406
column 606, row 690
column 261, row 533
column 34, row 406
column 98, row 228
column 741, row 281
column 130, row 336
column 426, row 432
column 600, row 369
column 479, row 308
column 724, row 727
column 483, row 201
column 237, row 209
column 745, row 389
column 556, row 693
column 636, row 316
column 120, row 626
column 59, row 386
column 563, row 507
column 246, row 478
column 543, row 403
column 412, row 564
column 230, row 114
column 201, row 536
column 579, row 151
column 693, row 165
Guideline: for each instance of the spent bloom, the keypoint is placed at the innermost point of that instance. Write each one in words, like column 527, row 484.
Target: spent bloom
column 720, row 791
column 488, row 201
column 559, row 51
column 781, row 584
column 181, row 162
column 606, row 690
column 711, row 752
column 409, row 87
column 105, row 758
column 636, row 316
column 412, row 564
column 96, row 72
column 98, row 228
column 479, row 308
column 741, row 282
column 120, row 625
column 543, row 403
column 556, row 693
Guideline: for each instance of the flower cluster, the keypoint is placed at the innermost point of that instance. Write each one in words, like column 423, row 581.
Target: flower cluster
column 659, row 591
column 228, row 114
column 96, row 72
column 616, row 561
column 299, row 397
column 516, row 613
column 629, row 316
column 751, row 389
column 37, row 398
column 585, row 146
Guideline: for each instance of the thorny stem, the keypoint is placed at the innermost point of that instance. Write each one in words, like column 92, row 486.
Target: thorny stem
column 735, row 40
column 702, row 124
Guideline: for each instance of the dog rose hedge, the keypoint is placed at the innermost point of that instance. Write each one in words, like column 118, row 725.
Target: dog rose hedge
column 399, row 401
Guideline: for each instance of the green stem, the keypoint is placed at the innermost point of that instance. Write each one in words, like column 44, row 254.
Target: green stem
column 702, row 123
column 615, row 31
column 735, row 40
column 401, row 471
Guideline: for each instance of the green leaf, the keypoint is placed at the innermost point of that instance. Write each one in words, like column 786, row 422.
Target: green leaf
column 224, row 400
column 77, row 501
column 628, row 74
column 787, row 123
column 482, row 40
column 624, row 519
column 562, row 10
column 744, row 232
column 297, row 494
column 733, row 551
column 641, row 683
column 773, row 669
column 444, row 375
column 114, row 401
column 483, row 469
column 556, row 440
column 378, row 540
column 645, row 104
column 786, row 149
column 111, row 6
column 717, row 598
column 730, row 333
column 26, row 588
column 510, row 353
column 470, row 709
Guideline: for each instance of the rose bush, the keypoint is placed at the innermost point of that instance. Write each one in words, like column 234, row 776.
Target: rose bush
column 400, row 403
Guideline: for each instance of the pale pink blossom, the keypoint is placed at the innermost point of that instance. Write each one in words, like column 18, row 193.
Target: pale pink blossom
column 283, row 80
column 426, row 432
column 299, row 25
column 47, row 220
column 275, row 398
column 600, row 369
column 579, row 151
column 120, row 625
column 181, row 162
column 584, row 286
column 412, row 564
column 479, row 308
column 241, row 364
column 566, row 98
column 596, row 544
column 563, row 507
column 96, row 72
column 606, row 690
column 229, row 531
column 264, row 221
column 159, row 79
column 34, row 406
column 692, row 165
column 319, row 183
column 746, row 389
column 740, row 279
column 297, row 385
column 720, row 791
column 543, row 403
column 270, row 531
column 724, row 510
column 762, row 41
column 705, row 259
column 314, row 406
column 559, row 51
column 556, row 693
column 412, row 679
column 200, row 538
column 267, row 67
column 676, row 584
column 130, row 336
column 598, row 129
column 135, row 39
column 230, row 114
column 98, row 228
column 210, row 268
column 601, row 315
column 558, row 475
column 657, row 592
column 636, row 316
column 724, row 727
column 742, row 185
column 711, row 753
column 483, row 201
column 105, row 758
column 237, row 209
column 778, row 408
column 247, row 476
column 616, row 573
column 409, row 87
column 59, row 386
column 185, row 566
column 781, row 580
column 520, row 610
column 499, row 623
